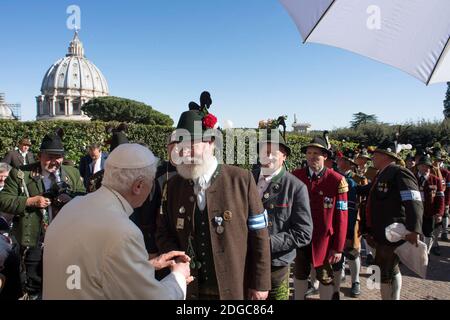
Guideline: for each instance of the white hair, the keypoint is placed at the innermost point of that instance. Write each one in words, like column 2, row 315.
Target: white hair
column 4, row 167
column 121, row 180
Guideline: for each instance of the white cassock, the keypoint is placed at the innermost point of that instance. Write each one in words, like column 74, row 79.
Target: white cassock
column 92, row 250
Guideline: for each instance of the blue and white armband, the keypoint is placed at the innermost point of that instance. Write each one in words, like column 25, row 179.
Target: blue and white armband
column 258, row 221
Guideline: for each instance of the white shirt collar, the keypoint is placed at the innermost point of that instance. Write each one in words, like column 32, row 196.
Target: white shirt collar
column 269, row 178
column 311, row 171
column 46, row 174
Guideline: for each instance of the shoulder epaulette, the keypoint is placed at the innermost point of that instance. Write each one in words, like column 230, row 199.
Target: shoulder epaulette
column 343, row 186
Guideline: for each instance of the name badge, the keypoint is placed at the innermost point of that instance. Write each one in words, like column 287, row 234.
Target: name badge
column 180, row 224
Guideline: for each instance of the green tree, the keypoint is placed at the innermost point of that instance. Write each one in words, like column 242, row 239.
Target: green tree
column 447, row 102
column 124, row 110
column 362, row 118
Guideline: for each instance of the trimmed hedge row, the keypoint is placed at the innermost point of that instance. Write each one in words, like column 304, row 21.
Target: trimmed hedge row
column 78, row 135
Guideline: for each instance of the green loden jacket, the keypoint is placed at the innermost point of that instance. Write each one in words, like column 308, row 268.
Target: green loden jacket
column 27, row 223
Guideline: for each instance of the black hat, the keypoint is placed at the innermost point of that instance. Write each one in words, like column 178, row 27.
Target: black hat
column 426, row 160
column 52, row 143
column 420, row 151
column 275, row 136
column 349, row 155
column 410, row 157
column 318, row 142
column 118, row 135
column 118, row 138
column 437, row 154
column 388, row 148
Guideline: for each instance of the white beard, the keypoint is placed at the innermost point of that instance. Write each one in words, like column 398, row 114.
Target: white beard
column 195, row 171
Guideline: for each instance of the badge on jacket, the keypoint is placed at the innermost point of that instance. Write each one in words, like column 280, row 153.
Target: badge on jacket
column 180, row 223
column 327, row 203
column 382, row 187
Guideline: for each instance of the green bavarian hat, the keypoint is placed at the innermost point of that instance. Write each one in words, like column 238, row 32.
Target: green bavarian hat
column 318, row 142
column 349, row 155
column 437, row 154
column 426, row 160
column 389, row 149
column 195, row 125
column 52, row 143
column 274, row 136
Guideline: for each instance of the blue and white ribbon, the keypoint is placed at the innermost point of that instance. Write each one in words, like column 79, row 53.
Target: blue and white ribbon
column 341, row 205
column 440, row 194
column 410, row 195
column 258, row 221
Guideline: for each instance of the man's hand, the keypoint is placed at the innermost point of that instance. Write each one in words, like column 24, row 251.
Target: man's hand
column 437, row 219
column 184, row 269
column 38, row 202
column 334, row 257
column 412, row 238
column 168, row 259
column 257, row 295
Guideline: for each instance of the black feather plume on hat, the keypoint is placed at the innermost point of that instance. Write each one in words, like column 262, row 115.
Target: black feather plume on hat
column 109, row 128
column 123, row 127
column 205, row 100
column 59, row 132
column 193, row 106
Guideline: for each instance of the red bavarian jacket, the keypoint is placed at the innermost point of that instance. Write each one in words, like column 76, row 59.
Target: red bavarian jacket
column 446, row 177
column 432, row 196
column 329, row 210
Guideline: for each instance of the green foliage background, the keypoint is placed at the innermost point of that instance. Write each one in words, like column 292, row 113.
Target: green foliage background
column 124, row 110
column 78, row 135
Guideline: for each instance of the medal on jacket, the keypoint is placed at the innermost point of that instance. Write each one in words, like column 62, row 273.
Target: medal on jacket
column 180, row 224
column 276, row 187
column 327, row 203
column 219, row 229
column 382, row 187
column 227, row 215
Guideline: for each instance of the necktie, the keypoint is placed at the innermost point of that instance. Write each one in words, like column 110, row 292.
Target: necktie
column 54, row 187
column 421, row 181
column 199, row 190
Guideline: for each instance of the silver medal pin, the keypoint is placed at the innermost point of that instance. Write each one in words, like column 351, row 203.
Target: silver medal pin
column 219, row 229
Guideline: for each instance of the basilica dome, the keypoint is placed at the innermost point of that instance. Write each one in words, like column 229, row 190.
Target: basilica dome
column 68, row 84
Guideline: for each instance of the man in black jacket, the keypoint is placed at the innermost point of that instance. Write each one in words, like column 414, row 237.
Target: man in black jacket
column 21, row 155
column 394, row 197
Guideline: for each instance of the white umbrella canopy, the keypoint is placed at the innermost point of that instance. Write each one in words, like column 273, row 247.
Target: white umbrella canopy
column 411, row 35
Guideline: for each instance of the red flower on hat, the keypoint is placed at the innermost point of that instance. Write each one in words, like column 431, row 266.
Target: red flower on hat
column 209, row 121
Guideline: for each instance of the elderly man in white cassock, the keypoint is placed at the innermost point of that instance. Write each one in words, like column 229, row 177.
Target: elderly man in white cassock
column 92, row 250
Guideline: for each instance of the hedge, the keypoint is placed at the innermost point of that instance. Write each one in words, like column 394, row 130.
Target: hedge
column 78, row 135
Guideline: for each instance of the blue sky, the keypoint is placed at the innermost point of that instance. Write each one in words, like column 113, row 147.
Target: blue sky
column 247, row 53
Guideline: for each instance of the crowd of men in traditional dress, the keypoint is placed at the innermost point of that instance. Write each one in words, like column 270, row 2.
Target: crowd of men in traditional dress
column 128, row 226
